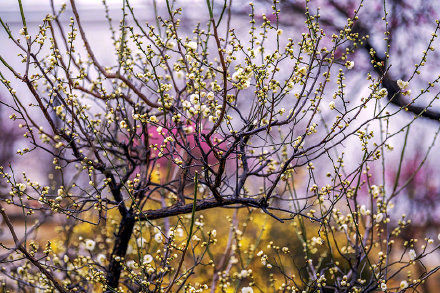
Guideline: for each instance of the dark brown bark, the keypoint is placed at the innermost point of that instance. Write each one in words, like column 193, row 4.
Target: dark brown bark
column 119, row 250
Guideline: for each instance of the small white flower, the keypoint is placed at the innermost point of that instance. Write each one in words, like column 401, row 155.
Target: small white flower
column 236, row 75
column 186, row 104
column 21, row 187
column 303, row 70
column 403, row 85
column 243, row 274
column 123, row 124
column 279, row 32
column 247, row 290
column 192, row 45
column 179, row 232
column 383, row 92
column 148, row 258
column 350, row 65
column 403, row 285
column 90, row 244
column 363, row 210
column 412, row 254
column 379, row 217
column 375, row 190
column 210, row 96
column 100, row 258
column 194, row 98
column 317, row 240
column 246, row 84
column 383, row 286
column 331, row 105
column 233, row 260
column 131, row 264
column 158, row 237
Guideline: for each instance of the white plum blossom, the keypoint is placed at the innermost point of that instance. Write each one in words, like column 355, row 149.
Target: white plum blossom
column 236, row 75
column 383, row 92
column 243, row 274
column 210, row 96
column 403, row 85
column 247, row 290
column 194, row 98
column 90, row 244
column 242, row 78
column 188, row 129
column 246, row 84
column 331, row 105
column 158, row 237
column 363, row 210
column 379, row 217
column 303, row 70
column 131, row 264
column 148, row 258
column 317, row 240
column 375, row 190
column 403, row 285
column 192, row 45
column 350, row 65
column 21, row 187
column 179, row 232
column 412, row 254
column 101, row 258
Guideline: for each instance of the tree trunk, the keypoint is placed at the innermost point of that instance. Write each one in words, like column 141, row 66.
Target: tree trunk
column 119, row 250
